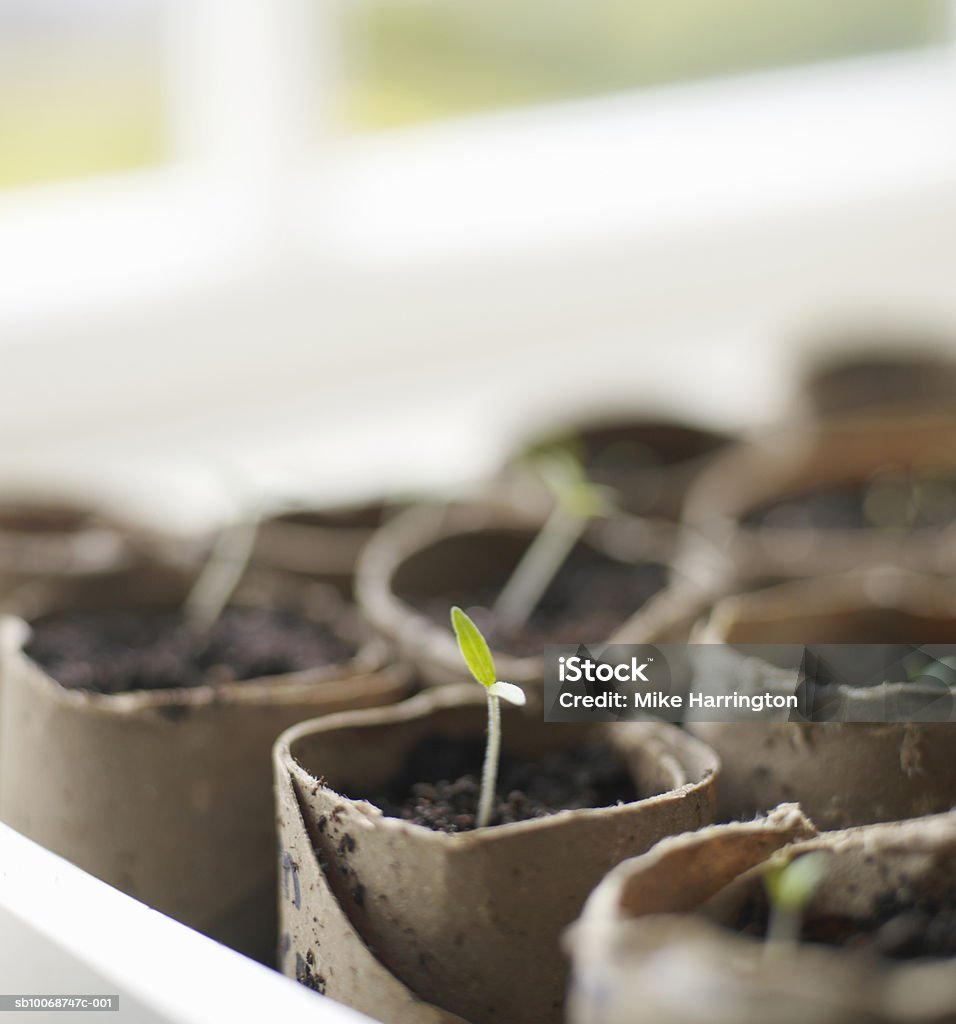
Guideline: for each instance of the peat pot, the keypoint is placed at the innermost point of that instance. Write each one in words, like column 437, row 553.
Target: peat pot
column 647, row 461
column 883, row 374
column 323, row 544
column 426, row 560
column 676, row 936
column 166, row 793
column 828, row 498
column 407, row 923
column 842, row 772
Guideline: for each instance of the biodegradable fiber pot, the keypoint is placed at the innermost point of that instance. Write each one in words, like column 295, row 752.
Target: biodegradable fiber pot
column 46, row 537
column 746, row 507
column 386, row 915
column 323, row 544
column 426, row 560
column 853, row 773
column 656, row 942
column 648, row 461
column 167, row 794
column 888, row 374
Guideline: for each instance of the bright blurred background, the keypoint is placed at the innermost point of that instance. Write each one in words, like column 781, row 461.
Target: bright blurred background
column 361, row 241
column 83, row 81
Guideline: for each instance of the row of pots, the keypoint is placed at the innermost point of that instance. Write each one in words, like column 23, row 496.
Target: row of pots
column 79, row 772
column 166, row 793
column 822, row 497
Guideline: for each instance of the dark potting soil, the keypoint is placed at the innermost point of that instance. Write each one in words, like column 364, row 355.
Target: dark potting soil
column 898, row 930
column 120, row 651
column 590, row 596
column 896, row 504
column 441, row 783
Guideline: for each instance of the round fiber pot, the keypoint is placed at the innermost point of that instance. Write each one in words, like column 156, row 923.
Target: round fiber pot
column 323, row 544
column 426, row 560
column 648, row 462
column 41, row 536
column 880, row 374
column 391, row 913
column 166, row 793
column 843, row 773
column 660, row 941
column 829, row 498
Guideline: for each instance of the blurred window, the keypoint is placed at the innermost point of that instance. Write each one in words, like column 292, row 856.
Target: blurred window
column 421, row 60
column 81, row 88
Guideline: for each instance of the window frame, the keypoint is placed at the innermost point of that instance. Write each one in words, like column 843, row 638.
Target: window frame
column 503, row 230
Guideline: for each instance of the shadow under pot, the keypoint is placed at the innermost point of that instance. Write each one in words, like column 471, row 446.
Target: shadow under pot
column 875, row 760
column 323, row 544
column 680, row 934
column 392, row 902
column 839, row 496
column 141, row 752
column 427, row 560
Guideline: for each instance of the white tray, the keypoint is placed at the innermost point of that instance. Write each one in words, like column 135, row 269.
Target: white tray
column 63, row 932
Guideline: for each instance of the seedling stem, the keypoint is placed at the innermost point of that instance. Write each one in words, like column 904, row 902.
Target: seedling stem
column 790, row 886
column 577, row 501
column 474, row 649
column 220, row 576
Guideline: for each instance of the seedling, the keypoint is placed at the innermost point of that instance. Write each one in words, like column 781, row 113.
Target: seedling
column 220, row 576
column 474, row 649
column 577, row 500
column 790, row 884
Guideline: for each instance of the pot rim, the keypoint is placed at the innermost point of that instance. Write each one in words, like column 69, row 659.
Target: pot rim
column 369, row 664
column 429, row 702
column 606, row 902
column 417, row 529
column 780, row 465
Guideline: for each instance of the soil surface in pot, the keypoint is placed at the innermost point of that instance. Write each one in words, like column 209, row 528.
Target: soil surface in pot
column 441, row 782
column 590, row 596
column 120, row 651
column 897, row 929
column 897, row 503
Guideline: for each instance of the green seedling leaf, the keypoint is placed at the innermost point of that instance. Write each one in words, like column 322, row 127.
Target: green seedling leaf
column 473, row 648
column 509, row 692
column 565, row 476
column 790, row 885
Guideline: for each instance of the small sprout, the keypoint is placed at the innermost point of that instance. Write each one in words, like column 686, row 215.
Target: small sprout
column 481, row 664
column 790, row 884
column 219, row 577
column 577, row 500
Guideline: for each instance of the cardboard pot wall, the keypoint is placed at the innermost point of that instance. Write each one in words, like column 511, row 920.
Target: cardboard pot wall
column 843, row 774
column 431, row 558
column 807, row 459
column 890, row 374
column 166, row 794
column 321, row 544
column 45, row 537
column 467, row 921
column 656, row 943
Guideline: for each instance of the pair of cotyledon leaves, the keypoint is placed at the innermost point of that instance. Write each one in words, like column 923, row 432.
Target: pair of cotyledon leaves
column 481, row 664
